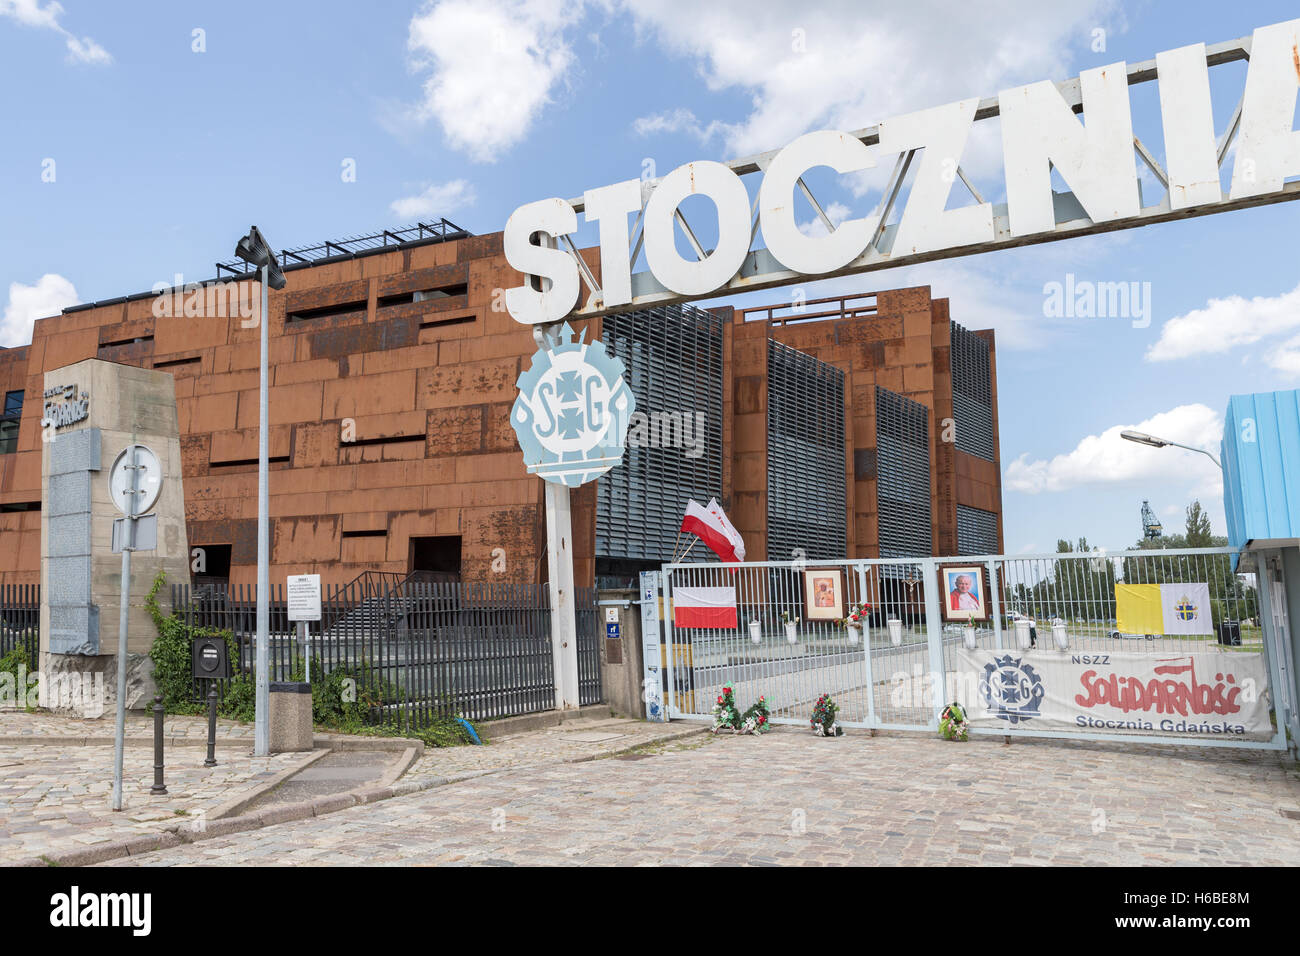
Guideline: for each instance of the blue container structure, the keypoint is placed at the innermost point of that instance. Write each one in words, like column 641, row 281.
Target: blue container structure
column 1261, row 499
column 1261, row 469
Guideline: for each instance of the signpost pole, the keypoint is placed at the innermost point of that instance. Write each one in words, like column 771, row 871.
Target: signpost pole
column 262, row 703
column 559, row 565
column 128, row 544
column 306, row 647
column 564, row 625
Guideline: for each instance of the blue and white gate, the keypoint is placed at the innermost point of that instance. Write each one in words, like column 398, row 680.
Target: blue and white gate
column 1029, row 645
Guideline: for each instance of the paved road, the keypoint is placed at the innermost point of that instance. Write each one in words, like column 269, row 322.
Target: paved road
column 795, row 799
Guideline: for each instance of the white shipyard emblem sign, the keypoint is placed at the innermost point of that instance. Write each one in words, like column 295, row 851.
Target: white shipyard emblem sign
column 571, row 415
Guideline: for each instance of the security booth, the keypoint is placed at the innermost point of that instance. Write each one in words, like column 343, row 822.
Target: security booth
column 1261, row 475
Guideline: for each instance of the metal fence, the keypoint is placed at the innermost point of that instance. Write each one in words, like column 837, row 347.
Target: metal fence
column 903, row 665
column 415, row 648
column 20, row 619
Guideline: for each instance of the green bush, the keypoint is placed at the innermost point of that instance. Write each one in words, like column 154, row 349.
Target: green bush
column 10, row 664
column 345, row 699
column 172, row 664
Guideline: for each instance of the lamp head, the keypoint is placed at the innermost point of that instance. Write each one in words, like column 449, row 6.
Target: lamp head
column 1142, row 438
column 256, row 251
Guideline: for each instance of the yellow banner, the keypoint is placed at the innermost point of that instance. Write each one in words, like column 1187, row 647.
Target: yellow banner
column 1138, row 609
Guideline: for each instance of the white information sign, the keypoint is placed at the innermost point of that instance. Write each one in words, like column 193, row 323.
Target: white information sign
column 304, row 597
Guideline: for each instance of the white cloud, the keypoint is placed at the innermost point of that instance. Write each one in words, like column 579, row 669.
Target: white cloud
column 836, row 212
column 1226, row 323
column 50, row 295
column 1286, row 358
column 844, row 64
column 1108, row 459
column 437, row 199
column 677, row 121
column 492, row 67
column 31, row 13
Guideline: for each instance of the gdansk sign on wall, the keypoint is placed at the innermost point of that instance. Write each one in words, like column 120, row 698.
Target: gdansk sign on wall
column 1097, row 158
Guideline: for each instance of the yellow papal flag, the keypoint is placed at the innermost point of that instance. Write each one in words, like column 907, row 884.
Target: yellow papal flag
column 1138, row 609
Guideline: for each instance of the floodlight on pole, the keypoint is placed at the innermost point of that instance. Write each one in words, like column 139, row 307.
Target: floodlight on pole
column 256, row 251
column 1142, row 438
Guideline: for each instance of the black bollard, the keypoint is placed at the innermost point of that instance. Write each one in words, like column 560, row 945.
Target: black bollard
column 212, row 725
column 158, row 786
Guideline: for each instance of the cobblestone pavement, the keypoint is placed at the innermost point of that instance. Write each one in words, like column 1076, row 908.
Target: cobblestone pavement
column 20, row 724
column 54, row 797
column 792, row 798
column 57, row 798
column 574, row 740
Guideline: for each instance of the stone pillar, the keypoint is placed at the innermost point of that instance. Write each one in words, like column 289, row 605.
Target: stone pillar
column 92, row 410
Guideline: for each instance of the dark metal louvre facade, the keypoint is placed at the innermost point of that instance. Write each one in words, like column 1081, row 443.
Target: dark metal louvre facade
column 806, row 494
column 674, row 368
column 977, row 531
column 902, row 476
column 972, row 393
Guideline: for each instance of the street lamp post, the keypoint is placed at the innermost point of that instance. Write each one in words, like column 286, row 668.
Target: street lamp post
column 1142, row 438
column 254, row 250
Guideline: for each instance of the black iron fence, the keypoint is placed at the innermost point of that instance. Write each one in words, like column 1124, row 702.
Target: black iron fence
column 20, row 619
column 414, row 648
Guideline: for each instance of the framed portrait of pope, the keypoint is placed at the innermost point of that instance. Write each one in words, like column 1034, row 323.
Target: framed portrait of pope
column 963, row 593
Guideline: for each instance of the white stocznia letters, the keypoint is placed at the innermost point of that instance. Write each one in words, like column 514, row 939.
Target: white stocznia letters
column 1098, row 161
column 1095, row 155
column 610, row 206
column 797, row 252
column 556, row 272
column 1188, row 120
column 926, row 223
column 715, row 270
column 1269, row 148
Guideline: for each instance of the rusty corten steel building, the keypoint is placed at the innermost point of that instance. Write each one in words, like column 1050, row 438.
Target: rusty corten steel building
column 862, row 427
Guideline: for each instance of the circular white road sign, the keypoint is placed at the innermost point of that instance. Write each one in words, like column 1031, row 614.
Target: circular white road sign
column 148, row 482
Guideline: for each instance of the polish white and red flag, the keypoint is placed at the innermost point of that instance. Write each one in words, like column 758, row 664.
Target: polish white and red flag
column 711, row 526
column 704, row 607
column 737, row 542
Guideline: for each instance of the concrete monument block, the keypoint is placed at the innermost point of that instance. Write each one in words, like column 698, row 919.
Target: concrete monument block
column 93, row 410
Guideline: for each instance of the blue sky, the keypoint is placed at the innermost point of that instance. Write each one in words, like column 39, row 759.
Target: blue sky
column 166, row 143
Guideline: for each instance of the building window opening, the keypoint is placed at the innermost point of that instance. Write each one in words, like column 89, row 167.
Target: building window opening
column 436, row 558
column 210, row 566
column 9, row 422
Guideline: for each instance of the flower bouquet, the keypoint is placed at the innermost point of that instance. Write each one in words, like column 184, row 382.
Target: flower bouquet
column 855, row 621
column 755, row 720
column 725, row 714
column 953, row 724
column 791, row 622
column 823, row 718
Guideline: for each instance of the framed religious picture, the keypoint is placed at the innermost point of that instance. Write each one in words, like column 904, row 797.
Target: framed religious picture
column 963, row 592
column 823, row 594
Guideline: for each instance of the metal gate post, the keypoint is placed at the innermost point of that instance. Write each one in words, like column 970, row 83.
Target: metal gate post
column 994, row 608
column 1268, row 627
column 666, row 649
column 866, row 650
column 1277, row 597
column 934, row 637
